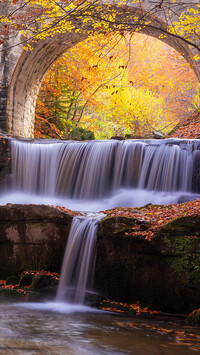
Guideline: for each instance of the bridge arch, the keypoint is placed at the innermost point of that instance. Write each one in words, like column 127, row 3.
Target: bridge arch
column 32, row 65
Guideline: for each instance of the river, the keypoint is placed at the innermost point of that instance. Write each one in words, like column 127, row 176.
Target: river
column 54, row 328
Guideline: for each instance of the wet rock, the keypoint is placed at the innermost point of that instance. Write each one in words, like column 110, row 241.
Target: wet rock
column 158, row 135
column 194, row 318
column 41, row 282
column 13, row 293
column 26, row 279
column 163, row 273
column 118, row 138
column 13, row 280
column 32, row 237
column 196, row 173
column 31, row 286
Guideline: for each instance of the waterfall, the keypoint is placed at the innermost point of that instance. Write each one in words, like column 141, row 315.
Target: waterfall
column 79, row 260
column 129, row 173
column 96, row 169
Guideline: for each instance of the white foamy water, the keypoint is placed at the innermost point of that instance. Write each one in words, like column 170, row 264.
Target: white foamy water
column 59, row 307
column 122, row 198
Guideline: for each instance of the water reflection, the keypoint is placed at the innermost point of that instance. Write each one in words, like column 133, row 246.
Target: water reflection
column 48, row 328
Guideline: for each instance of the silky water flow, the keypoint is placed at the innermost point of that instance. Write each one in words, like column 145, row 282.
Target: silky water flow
column 79, row 260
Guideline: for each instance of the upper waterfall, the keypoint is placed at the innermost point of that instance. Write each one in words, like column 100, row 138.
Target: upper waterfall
column 122, row 173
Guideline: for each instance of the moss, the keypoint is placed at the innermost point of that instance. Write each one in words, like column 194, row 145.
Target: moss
column 122, row 225
column 12, row 293
column 26, row 279
column 184, row 226
column 43, row 286
column 43, row 282
column 174, row 129
column 122, row 230
column 13, row 280
column 185, row 259
column 163, row 273
column 194, row 318
column 179, row 240
column 118, row 225
column 118, row 219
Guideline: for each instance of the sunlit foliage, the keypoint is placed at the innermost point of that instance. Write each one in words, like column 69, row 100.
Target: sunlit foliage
column 125, row 85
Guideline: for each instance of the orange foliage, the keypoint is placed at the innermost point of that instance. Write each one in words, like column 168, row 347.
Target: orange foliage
column 134, row 309
column 189, row 130
column 155, row 215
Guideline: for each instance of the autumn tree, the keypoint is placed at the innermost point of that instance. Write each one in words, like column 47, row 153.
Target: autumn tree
column 38, row 19
column 72, row 84
column 122, row 84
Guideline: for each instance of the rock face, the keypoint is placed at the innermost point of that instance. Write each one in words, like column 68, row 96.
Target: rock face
column 32, row 237
column 163, row 273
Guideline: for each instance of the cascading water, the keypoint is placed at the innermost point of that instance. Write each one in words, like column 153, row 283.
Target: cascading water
column 96, row 175
column 79, row 260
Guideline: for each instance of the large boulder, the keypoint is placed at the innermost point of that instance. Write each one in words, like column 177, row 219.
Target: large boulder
column 163, row 273
column 32, row 237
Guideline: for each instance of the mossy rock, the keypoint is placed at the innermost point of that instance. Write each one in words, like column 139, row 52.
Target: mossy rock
column 13, row 280
column 162, row 274
column 43, row 287
column 42, row 282
column 118, row 226
column 182, row 226
column 194, row 318
column 179, row 241
column 26, row 279
column 14, row 293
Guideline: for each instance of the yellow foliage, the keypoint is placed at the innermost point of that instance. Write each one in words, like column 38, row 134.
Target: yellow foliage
column 123, row 85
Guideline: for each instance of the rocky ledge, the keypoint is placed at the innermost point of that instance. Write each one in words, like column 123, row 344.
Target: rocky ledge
column 32, row 237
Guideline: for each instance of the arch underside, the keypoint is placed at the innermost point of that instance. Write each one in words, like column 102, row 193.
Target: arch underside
column 32, row 65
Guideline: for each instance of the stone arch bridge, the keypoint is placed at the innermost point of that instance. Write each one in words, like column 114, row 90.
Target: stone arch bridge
column 21, row 72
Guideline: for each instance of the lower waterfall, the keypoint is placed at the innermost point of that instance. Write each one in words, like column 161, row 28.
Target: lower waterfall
column 79, row 260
